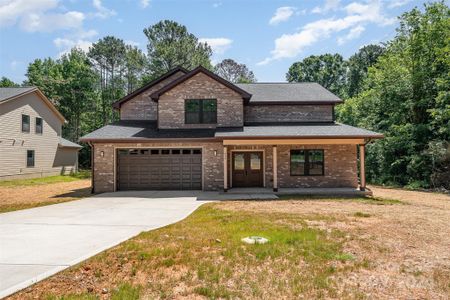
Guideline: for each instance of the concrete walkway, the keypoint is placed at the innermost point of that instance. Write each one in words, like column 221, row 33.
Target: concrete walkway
column 39, row 242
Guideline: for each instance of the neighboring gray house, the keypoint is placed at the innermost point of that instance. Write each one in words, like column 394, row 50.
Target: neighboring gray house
column 30, row 136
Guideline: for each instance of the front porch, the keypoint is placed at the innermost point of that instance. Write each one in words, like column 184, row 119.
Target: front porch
column 295, row 166
column 310, row 192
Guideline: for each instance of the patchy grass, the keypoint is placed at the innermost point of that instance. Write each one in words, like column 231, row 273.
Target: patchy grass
column 45, row 180
column 361, row 214
column 366, row 200
column 203, row 255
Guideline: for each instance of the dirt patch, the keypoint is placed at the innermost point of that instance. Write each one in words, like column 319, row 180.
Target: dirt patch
column 21, row 197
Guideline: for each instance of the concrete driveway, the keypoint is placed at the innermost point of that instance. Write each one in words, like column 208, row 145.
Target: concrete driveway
column 39, row 242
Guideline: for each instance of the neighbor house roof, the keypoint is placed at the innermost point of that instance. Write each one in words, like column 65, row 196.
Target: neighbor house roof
column 68, row 144
column 10, row 94
column 244, row 94
column 289, row 93
column 118, row 103
column 139, row 130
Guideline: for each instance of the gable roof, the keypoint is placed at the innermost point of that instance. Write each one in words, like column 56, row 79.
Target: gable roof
column 119, row 102
column 245, row 95
column 9, row 94
column 289, row 93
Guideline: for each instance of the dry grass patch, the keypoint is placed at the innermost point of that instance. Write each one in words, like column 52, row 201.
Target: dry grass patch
column 28, row 193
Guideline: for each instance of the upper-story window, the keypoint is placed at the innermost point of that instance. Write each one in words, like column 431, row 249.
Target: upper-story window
column 25, row 123
column 200, row 111
column 39, row 125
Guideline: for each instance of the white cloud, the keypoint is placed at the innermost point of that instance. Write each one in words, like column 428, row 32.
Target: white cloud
column 14, row 64
column 282, row 14
column 34, row 22
column 102, row 12
column 290, row 45
column 13, row 10
column 218, row 45
column 132, row 43
column 330, row 5
column 354, row 33
column 36, row 15
column 65, row 44
column 397, row 3
column 217, row 4
column 144, row 3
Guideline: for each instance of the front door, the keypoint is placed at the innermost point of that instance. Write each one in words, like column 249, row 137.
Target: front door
column 247, row 169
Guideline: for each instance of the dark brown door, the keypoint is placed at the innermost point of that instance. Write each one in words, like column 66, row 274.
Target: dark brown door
column 159, row 169
column 247, row 169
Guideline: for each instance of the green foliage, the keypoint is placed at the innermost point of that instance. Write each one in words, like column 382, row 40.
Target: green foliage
column 358, row 65
column 406, row 97
column 6, row 82
column 327, row 70
column 170, row 45
column 234, row 72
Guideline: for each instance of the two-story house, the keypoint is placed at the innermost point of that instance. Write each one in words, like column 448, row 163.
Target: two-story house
column 195, row 130
column 30, row 136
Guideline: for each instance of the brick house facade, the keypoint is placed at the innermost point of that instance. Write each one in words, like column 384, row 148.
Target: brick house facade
column 194, row 130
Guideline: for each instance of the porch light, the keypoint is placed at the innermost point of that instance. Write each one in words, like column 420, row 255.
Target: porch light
column 215, row 152
column 102, row 153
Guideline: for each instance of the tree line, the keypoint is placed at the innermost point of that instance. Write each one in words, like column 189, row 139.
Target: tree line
column 400, row 88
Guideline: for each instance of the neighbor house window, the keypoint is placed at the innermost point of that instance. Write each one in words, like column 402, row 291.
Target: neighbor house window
column 307, row 162
column 201, row 111
column 25, row 123
column 30, row 158
column 39, row 125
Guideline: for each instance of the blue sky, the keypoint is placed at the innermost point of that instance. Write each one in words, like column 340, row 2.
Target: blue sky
column 268, row 36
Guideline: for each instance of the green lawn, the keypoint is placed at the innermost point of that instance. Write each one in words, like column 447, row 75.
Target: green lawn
column 45, row 180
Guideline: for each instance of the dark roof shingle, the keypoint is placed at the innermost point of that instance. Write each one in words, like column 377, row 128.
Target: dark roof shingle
column 9, row 92
column 305, row 92
column 135, row 130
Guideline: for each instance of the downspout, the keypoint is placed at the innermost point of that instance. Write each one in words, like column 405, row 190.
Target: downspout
column 92, row 167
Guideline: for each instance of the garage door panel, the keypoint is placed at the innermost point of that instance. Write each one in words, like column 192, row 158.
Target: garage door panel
column 145, row 169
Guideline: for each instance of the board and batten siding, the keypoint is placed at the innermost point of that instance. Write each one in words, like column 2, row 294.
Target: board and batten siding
column 14, row 143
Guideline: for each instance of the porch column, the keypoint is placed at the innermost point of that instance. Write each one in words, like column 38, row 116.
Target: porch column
column 225, row 169
column 275, row 169
column 362, row 167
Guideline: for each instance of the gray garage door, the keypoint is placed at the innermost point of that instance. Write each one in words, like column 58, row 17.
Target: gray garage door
column 159, row 169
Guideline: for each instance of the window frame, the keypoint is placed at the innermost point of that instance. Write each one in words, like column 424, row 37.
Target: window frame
column 201, row 111
column 29, row 123
column 307, row 163
column 33, row 157
column 36, row 126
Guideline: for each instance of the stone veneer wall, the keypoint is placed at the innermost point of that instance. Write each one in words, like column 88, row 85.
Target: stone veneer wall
column 142, row 107
column 288, row 113
column 230, row 110
column 104, row 166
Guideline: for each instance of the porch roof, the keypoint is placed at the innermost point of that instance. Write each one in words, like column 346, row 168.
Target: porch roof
column 145, row 130
column 331, row 130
